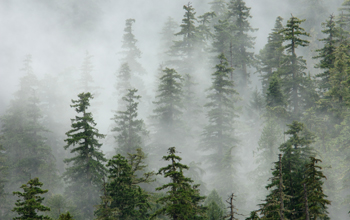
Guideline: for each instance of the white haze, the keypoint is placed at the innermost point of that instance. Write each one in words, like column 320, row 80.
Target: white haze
column 58, row 33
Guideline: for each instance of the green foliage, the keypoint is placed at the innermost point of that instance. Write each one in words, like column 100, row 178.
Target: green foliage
column 239, row 14
column 270, row 57
column 292, row 70
column 326, row 54
column 317, row 201
column 130, row 130
column 22, row 139
column 59, row 205
column 296, row 151
column 30, row 203
column 126, row 199
column 66, row 216
column 182, row 200
column 217, row 135
column 86, row 172
column 215, row 206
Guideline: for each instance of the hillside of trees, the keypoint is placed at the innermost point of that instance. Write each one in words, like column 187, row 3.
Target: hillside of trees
column 219, row 130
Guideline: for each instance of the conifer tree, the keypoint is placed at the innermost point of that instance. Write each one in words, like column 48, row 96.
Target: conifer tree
column 217, row 135
column 85, row 174
column 3, row 179
column 239, row 15
column 232, row 213
column 270, row 57
column 219, row 7
column 27, row 153
column 273, row 208
column 168, row 37
column 184, row 50
column 127, row 199
column 65, row 216
column 168, row 109
column 316, row 199
column 30, row 202
column 215, row 206
column 130, row 130
column 338, row 96
column 123, row 76
column 296, row 151
column 182, row 200
column 327, row 53
column 345, row 15
column 293, row 74
column 131, row 52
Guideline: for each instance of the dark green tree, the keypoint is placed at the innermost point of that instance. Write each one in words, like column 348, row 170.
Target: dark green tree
column 296, row 152
column 65, row 216
column 327, row 53
column 30, row 202
column 313, row 190
column 85, row 174
column 127, row 199
column 130, row 130
column 293, row 68
column 274, row 208
column 182, row 200
column 218, row 134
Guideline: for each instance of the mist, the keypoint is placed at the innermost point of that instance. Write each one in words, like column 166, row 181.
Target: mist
column 59, row 35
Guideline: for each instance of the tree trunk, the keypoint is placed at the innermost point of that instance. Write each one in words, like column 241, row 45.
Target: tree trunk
column 307, row 217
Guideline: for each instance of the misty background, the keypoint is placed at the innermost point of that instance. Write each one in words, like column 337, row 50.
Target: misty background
column 59, row 34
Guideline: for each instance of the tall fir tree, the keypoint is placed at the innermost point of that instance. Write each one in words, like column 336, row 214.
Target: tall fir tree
column 168, row 111
column 182, row 200
column 296, row 152
column 130, row 50
column 3, row 180
column 126, row 199
column 185, row 50
column 218, row 134
column 270, row 57
column 292, row 73
column 130, row 130
column 30, row 204
column 27, row 153
column 327, row 53
column 239, row 14
column 315, row 200
column 84, row 176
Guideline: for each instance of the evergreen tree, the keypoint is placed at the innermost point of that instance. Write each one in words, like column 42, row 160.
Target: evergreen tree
column 123, row 84
column 293, row 74
column 217, row 135
column 313, row 192
column 127, row 199
column 232, row 209
column 59, row 205
column 345, row 15
column 85, row 174
column 168, row 110
column 131, row 52
column 273, row 208
column 130, row 130
column 253, row 216
column 270, row 57
column 185, row 50
column 219, row 7
column 30, row 203
column 65, row 216
column 168, row 37
column 27, row 153
column 327, row 53
column 215, row 206
column 182, row 200
column 239, row 15
column 337, row 97
column 296, row 151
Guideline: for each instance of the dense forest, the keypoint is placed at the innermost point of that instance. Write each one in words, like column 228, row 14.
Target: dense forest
column 211, row 109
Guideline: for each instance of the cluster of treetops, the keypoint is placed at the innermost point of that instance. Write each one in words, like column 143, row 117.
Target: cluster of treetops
column 121, row 188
